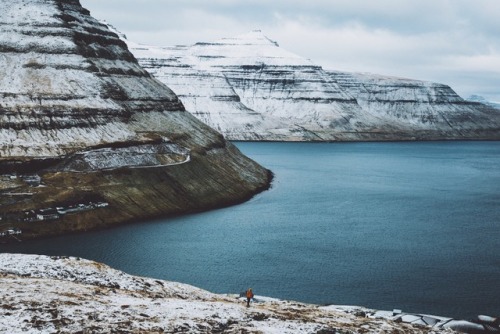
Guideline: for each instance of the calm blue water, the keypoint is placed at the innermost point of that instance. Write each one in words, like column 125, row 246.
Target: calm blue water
column 414, row 226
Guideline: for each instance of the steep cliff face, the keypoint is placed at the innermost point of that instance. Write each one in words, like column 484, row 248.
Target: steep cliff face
column 80, row 117
column 251, row 89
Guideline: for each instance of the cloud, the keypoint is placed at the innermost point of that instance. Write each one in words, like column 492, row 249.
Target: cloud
column 449, row 41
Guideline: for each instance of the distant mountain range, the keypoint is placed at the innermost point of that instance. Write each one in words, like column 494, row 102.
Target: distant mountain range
column 480, row 99
column 249, row 88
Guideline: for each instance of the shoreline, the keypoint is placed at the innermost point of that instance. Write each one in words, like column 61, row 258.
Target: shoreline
column 80, row 295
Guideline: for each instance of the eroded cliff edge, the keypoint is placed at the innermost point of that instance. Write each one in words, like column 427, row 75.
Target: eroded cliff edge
column 90, row 139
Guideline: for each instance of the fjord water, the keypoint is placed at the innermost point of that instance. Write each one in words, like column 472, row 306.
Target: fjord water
column 414, row 226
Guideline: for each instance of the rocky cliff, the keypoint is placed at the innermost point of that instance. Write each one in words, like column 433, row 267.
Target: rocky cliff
column 43, row 294
column 251, row 89
column 88, row 138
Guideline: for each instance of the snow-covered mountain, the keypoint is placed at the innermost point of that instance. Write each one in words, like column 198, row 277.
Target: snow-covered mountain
column 419, row 109
column 249, row 88
column 42, row 294
column 83, row 118
column 67, row 82
column 481, row 99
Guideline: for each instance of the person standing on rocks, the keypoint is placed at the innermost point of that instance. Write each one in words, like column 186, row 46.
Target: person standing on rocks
column 249, row 296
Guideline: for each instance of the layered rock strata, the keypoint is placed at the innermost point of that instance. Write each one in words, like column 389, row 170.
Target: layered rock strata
column 82, row 118
column 420, row 110
column 251, row 89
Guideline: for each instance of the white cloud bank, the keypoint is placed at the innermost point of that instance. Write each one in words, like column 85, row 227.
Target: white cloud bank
column 456, row 42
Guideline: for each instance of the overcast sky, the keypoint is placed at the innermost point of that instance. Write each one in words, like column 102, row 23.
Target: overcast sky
column 456, row 42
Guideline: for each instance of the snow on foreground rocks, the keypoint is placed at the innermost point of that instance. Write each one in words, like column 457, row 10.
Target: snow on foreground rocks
column 42, row 294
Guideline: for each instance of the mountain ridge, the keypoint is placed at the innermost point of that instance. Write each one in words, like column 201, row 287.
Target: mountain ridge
column 482, row 100
column 249, row 88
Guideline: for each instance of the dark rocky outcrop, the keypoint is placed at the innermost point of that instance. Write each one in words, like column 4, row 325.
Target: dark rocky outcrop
column 71, row 95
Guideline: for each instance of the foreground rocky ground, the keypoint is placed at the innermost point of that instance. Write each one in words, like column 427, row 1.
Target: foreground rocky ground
column 42, row 294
